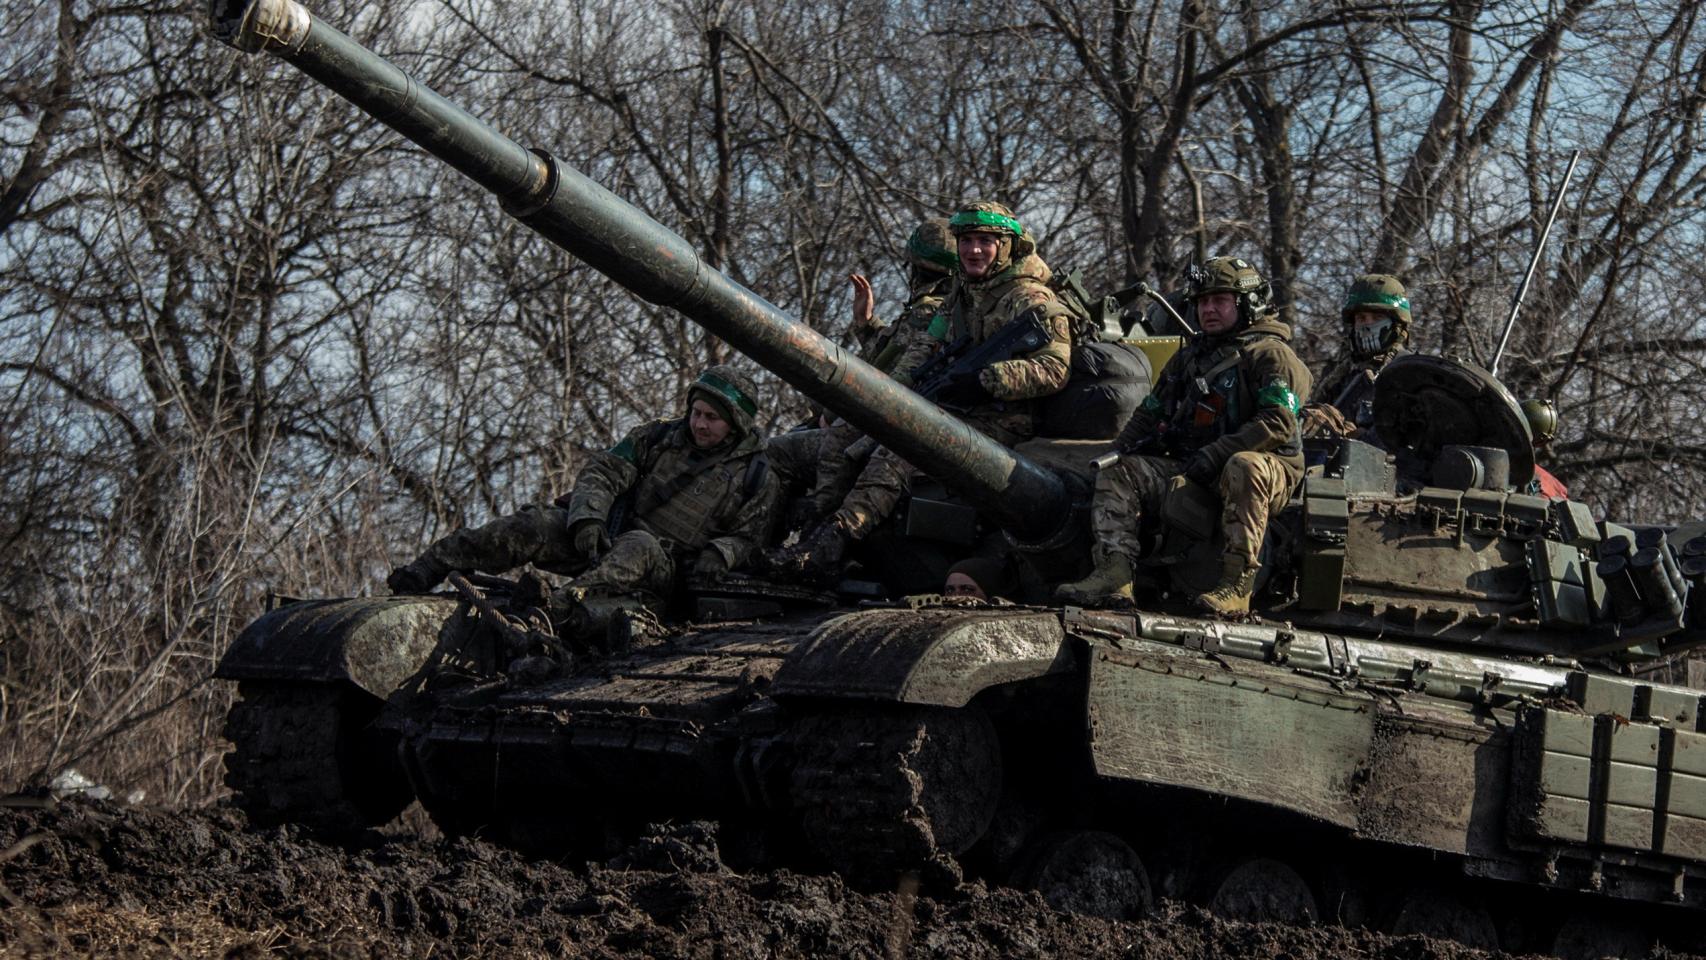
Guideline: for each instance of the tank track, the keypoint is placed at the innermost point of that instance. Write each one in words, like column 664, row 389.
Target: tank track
column 303, row 752
column 882, row 793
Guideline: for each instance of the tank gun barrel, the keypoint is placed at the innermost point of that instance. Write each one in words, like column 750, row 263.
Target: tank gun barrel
column 626, row 245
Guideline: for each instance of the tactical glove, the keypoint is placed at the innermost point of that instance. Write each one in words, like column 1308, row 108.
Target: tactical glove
column 964, row 390
column 591, row 538
column 710, row 564
column 1202, row 470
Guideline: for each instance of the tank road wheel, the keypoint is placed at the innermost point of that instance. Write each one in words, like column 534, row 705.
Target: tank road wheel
column 1444, row 916
column 1088, row 872
column 1263, row 889
column 882, row 792
column 306, row 753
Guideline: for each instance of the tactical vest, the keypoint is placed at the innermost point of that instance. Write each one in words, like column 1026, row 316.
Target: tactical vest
column 683, row 508
column 1217, row 398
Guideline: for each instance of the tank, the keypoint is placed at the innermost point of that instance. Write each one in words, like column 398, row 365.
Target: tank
column 1461, row 710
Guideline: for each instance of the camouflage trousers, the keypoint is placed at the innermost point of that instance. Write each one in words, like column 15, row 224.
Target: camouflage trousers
column 1251, row 486
column 637, row 561
column 886, row 478
column 826, row 460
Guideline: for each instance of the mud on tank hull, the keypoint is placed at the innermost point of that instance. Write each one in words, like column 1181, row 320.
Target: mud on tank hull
column 1103, row 758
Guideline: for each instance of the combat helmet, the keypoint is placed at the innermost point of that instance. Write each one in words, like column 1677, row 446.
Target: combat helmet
column 1237, row 276
column 931, row 249
column 1542, row 420
column 1377, row 293
column 987, row 216
column 730, row 391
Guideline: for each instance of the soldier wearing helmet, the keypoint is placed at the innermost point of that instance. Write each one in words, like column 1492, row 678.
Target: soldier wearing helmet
column 673, row 495
column 1223, row 415
column 897, row 347
column 1376, row 315
column 999, row 279
column 1542, row 418
column 828, row 458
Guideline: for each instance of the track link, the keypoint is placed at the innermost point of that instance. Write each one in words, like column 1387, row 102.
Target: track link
column 886, row 792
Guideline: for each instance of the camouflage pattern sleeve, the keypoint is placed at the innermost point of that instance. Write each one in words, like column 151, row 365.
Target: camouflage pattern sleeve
column 916, row 345
column 1039, row 373
column 749, row 529
column 1281, row 383
column 608, row 475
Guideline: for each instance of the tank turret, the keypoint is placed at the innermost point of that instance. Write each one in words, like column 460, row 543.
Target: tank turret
column 620, row 241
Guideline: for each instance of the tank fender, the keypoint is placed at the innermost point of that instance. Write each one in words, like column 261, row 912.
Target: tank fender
column 939, row 657
column 375, row 643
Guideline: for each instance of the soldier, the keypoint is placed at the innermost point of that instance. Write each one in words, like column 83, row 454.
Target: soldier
column 980, row 578
column 1542, row 419
column 831, row 456
column 1377, row 328
column 1000, row 278
column 1223, row 415
column 693, row 492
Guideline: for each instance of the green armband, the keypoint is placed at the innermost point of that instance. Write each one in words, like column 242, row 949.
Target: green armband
column 1279, row 394
column 938, row 328
column 624, row 450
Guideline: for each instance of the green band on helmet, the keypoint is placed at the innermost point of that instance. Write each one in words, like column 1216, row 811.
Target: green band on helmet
column 967, row 219
column 1373, row 299
column 936, row 255
column 1278, row 394
column 729, row 392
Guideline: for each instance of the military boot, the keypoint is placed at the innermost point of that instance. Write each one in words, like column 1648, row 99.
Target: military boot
column 419, row 576
column 1232, row 595
column 1109, row 583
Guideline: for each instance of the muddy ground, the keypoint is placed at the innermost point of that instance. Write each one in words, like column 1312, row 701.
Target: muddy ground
column 84, row 879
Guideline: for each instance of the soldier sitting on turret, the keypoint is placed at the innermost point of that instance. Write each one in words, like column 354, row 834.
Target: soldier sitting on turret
column 673, row 495
column 828, row 459
column 1223, row 415
column 1377, row 328
column 1000, row 278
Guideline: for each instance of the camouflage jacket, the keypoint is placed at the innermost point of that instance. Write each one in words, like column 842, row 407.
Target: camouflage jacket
column 1349, row 386
column 899, row 347
column 691, row 499
column 985, row 306
column 1224, row 395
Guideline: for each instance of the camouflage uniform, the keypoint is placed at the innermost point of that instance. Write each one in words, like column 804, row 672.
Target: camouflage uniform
column 897, row 349
column 1346, row 408
column 1017, row 282
column 709, row 508
column 1223, row 414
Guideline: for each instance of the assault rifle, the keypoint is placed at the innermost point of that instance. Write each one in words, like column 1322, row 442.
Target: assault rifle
column 950, row 377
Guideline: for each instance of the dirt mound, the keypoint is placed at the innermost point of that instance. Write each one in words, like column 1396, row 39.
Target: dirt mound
column 100, row 880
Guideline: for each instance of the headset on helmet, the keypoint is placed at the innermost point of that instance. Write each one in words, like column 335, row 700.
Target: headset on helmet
column 1237, row 276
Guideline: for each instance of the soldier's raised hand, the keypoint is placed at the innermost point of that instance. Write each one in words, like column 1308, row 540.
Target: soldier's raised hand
column 864, row 306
